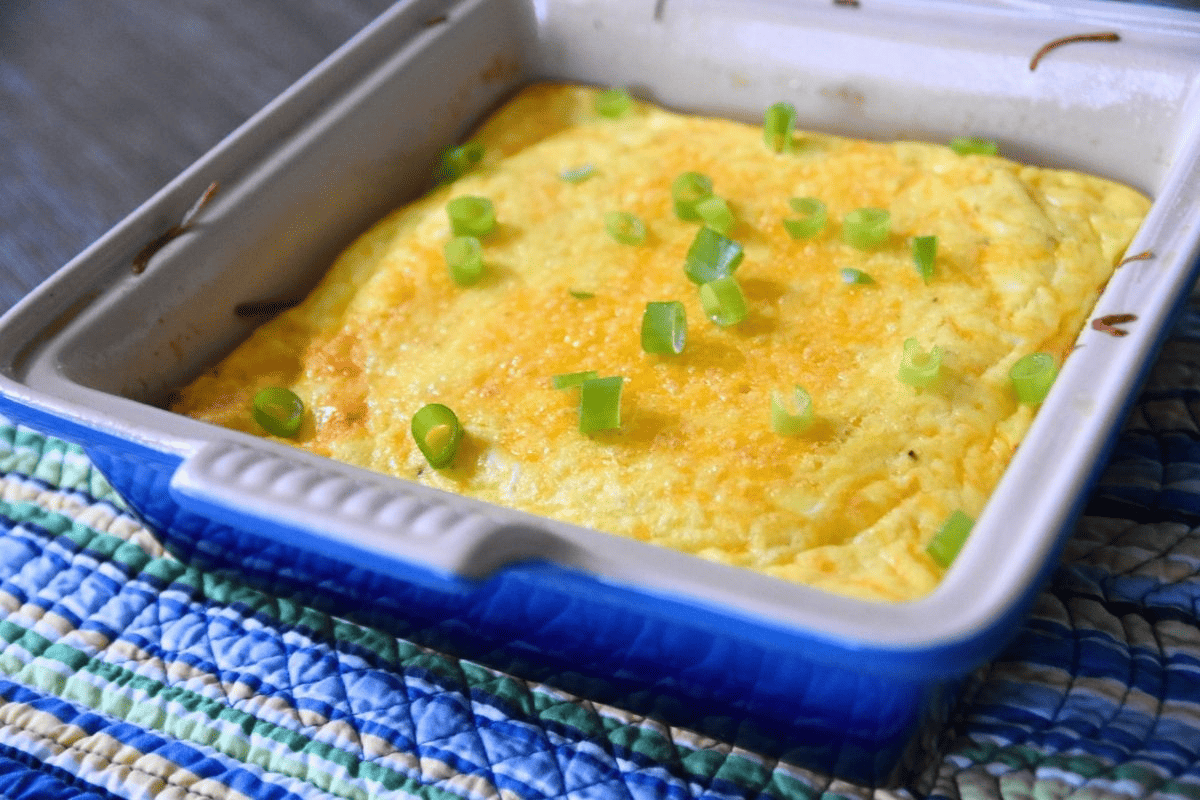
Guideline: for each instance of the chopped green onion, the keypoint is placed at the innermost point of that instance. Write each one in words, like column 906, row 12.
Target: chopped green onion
column 786, row 423
column 664, row 328
column 464, row 259
column 600, row 404
column 866, row 228
column 613, row 103
column 686, row 191
column 715, row 213
column 626, row 228
column 278, row 410
column 723, row 301
column 812, row 219
column 437, row 432
column 970, row 145
column 852, row 275
column 569, row 380
column 924, row 251
column 950, row 538
column 579, row 294
column 578, row 174
column 779, row 122
column 458, row 161
column 1032, row 376
column 918, row 368
column 711, row 256
column 471, row 216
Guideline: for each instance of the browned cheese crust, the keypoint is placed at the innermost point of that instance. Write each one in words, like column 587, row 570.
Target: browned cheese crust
column 847, row 506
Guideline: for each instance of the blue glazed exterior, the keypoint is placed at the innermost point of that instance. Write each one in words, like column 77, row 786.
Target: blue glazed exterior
column 545, row 622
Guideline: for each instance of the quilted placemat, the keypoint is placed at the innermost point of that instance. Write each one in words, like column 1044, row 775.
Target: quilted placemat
column 125, row 673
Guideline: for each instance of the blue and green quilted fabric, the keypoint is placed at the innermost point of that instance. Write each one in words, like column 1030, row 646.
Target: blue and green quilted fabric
column 125, row 673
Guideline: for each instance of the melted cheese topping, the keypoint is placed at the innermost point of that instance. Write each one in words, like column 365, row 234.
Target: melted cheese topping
column 850, row 505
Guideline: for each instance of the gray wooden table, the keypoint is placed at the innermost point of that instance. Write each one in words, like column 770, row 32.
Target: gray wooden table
column 103, row 101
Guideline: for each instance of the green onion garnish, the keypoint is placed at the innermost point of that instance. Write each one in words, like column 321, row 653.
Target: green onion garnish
column 918, row 368
column 569, row 380
column 613, row 103
column 626, row 228
column 664, row 328
column 866, row 228
column 437, row 432
column 723, row 301
column 924, row 251
column 969, row 145
column 812, row 219
column 579, row 294
column 715, row 213
column 578, row 174
column 785, row 422
column 600, row 404
column 1032, row 376
column 471, row 216
column 686, row 191
column 464, row 259
column 278, row 410
column 458, row 161
column 950, row 538
column 779, row 122
column 852, row 275
column 711, row 256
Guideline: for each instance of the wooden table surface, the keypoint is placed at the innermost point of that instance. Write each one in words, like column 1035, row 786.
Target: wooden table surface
column 102, row 102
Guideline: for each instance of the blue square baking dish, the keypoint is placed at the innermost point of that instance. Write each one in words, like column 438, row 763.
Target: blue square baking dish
column 844, row 685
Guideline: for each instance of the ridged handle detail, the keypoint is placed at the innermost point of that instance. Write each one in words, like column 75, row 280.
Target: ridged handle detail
column 348, row 512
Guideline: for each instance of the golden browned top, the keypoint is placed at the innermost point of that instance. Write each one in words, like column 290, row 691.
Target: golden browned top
column 847, row 506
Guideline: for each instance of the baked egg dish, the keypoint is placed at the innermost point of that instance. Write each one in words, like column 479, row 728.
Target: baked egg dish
column 777, row 349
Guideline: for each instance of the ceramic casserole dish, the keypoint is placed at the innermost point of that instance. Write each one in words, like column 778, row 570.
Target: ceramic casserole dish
column 847, row 685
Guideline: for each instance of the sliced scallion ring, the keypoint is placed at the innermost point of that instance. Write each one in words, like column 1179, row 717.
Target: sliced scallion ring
column 664, row 328
column 917, row 367
column 715, row 214
column 471, row 216
column 578, row 174
column 711, row 255
column 971, row 145
column 458, row 161
column 788, row 422
column 855, row 276
column 866, row 228
column 686, row 191
column 811, row 220
column 1032, row 376
column 950, row 538
column 569, row 380
column 437, row 432
column 613, row 103
column 600, row 404
column 464, row 259
column 278, row 410
column 723, row 301
column 779, row 123
column 625, row 227
column 924, row 252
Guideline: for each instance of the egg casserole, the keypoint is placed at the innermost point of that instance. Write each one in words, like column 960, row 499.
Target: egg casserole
column 850, row 503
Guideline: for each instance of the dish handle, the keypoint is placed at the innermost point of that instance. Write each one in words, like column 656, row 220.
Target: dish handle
column 407, row 531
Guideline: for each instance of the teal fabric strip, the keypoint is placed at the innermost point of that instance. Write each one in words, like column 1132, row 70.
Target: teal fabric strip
column 126, row 673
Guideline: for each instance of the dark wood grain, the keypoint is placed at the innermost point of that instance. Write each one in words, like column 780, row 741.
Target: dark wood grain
column 104, row 101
